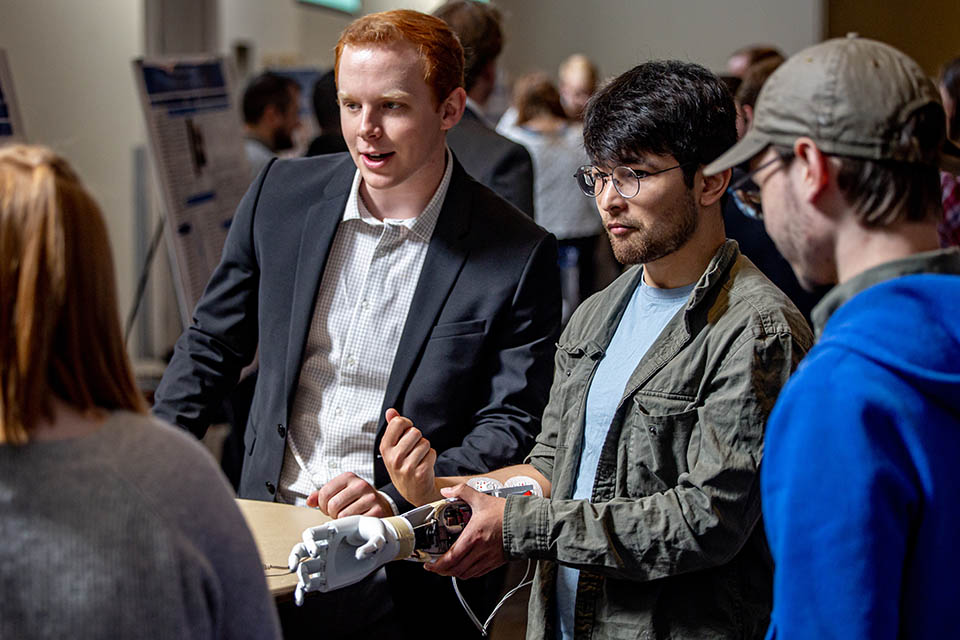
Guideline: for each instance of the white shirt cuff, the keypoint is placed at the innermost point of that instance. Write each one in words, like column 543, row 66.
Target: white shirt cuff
column 393, row 505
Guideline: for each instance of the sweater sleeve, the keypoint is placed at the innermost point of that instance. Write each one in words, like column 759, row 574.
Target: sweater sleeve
column 192, row 496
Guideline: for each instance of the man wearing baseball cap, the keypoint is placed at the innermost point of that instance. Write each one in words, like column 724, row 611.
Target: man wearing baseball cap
column 859, row 479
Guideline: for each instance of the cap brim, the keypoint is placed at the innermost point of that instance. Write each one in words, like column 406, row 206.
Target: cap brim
column 749, row 146
column 950, row 158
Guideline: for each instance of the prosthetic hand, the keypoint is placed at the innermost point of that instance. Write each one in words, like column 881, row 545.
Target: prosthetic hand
column 346, row 550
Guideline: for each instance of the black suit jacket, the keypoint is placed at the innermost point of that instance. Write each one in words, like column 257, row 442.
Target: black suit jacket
column 499, row 163
column 475, row 360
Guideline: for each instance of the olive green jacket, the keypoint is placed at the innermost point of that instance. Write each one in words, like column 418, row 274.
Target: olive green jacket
column 668, row 546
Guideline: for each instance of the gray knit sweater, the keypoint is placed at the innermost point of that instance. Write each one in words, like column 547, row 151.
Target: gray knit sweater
column 131, row 532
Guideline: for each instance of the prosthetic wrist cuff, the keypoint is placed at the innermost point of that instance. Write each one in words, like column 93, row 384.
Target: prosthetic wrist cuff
column 405, row 537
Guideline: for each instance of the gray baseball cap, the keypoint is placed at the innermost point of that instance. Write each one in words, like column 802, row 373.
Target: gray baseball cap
column 850, row 95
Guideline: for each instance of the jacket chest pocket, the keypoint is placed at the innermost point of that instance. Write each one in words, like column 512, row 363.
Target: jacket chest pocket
column 658, row 449
column 574, row 369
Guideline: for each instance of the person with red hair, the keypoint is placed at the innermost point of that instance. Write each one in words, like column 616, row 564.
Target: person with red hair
column 383, row 278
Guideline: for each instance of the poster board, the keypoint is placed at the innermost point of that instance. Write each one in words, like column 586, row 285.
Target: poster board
column 11, row 126
column 196, row 143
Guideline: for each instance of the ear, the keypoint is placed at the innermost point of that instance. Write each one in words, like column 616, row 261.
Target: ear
column 814, row 167
column 451, row 110
column 747, row 116
column 714, row 187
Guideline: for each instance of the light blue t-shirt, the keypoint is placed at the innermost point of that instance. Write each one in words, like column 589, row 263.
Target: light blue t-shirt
column 647, row 313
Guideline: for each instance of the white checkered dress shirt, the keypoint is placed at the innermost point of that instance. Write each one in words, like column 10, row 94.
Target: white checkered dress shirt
column 358, row 318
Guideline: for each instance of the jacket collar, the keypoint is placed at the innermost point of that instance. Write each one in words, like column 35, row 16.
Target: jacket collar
column 599, row 328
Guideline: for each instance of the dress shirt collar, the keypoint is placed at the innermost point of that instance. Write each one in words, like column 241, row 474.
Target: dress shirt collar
column 420, row 226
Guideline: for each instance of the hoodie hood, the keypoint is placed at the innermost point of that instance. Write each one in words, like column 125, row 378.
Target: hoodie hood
column 910, row 325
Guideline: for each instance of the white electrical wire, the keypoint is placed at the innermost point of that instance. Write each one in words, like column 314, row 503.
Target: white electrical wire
column 476, row 621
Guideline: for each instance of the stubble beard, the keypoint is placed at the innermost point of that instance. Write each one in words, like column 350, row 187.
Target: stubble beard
column 808, row 258
column 652, row 243
column 282, row 141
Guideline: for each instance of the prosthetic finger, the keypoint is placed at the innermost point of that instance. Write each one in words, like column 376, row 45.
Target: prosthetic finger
column 313, row 536
column 297, row 554
column 311, row 575
column 371, row 532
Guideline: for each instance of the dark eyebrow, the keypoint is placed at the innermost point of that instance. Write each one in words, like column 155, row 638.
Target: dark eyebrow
column 632, row 159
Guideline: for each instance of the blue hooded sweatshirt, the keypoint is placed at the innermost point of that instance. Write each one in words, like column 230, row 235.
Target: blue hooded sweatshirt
column 861, row 471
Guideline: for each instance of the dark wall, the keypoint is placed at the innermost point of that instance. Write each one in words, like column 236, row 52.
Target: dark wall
column 926, row 30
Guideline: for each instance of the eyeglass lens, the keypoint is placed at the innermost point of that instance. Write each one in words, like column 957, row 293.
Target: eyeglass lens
column 625, row 181
column 748, row 201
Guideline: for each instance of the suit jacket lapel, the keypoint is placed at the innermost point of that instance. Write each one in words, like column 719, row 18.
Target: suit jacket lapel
column 319, row 229
column 441, row 267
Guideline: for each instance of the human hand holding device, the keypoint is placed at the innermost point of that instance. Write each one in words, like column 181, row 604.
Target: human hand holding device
column 479, row 548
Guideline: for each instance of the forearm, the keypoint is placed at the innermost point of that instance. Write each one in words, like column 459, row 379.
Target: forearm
column 500, row 475
column 633, row 539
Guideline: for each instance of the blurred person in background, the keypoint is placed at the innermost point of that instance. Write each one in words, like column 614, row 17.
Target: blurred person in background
column 742, row 59
column 745, row 95
column 556, row 144
column 113, row 524
column 327, row 110
column 494, row 161
column 949, row 228
column 577, row 81
column 271, row 113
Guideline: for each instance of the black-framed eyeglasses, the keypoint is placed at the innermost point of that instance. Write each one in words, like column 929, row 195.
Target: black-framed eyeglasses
column 747, row 193
column 626, row 181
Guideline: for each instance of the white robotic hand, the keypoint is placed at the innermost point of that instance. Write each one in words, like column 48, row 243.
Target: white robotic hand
column 344, row 551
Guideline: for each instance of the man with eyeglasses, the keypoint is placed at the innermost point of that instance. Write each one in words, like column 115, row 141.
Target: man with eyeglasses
column 652, row 439
column 860, row 478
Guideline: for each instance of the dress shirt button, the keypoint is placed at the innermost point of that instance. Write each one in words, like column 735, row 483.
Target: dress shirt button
column 653, row 430
column 282, row 430
column 333, row 464
column 364, row 305
column 351, row 361
column 270, row 488
column 338, row 412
